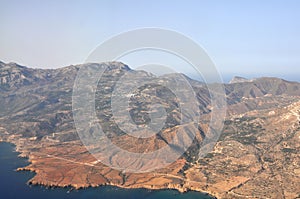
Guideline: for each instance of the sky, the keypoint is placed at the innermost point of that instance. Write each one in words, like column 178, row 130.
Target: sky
column 246, row 38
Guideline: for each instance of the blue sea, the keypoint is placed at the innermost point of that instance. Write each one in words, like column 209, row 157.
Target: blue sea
column 13, row 185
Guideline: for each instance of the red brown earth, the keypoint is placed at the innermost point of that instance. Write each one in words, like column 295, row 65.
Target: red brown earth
column 232, row 170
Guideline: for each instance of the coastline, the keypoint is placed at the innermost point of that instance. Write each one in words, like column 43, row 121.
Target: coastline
column 27, row 168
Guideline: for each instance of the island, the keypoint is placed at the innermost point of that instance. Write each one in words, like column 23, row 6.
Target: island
column 256, row 156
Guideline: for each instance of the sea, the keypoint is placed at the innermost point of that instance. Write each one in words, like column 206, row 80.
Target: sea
column 13, row 185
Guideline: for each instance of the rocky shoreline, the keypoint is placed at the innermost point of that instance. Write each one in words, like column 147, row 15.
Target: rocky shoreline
column 39, row 181
column 179, row 188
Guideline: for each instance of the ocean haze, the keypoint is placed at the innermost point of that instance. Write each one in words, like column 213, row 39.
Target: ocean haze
column 257, row 38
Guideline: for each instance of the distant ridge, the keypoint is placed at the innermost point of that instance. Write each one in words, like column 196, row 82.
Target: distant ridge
column 238, row 79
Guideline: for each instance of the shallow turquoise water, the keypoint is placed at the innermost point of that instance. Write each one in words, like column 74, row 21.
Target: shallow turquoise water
column 13, row 185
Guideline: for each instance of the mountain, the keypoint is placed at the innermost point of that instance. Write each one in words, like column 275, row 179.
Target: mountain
column 238, row 79
column 257, row 155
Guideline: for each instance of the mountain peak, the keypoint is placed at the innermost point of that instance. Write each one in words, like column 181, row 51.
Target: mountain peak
column 238, row 79
column 11, row 65
column 114, row 65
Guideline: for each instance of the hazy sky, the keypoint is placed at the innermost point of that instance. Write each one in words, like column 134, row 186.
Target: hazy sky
column 248, row 38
